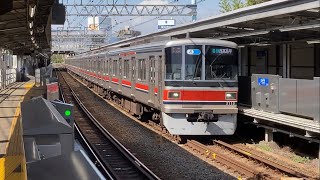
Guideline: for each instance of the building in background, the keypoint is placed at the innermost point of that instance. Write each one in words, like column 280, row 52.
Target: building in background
column 128, row 32
column 93, row 23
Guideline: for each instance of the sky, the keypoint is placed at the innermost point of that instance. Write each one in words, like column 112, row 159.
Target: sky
column 145, row 24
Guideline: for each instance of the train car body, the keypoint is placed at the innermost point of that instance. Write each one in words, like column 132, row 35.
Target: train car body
column 189, row 85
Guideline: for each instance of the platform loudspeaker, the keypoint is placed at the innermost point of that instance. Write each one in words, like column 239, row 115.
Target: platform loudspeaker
column 58, row 14
column 5, row 6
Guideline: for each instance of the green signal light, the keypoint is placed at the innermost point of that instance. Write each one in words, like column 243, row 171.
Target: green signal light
column 67, row 113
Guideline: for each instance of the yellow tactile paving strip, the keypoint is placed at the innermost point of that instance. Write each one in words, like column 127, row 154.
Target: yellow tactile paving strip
column 13, row 164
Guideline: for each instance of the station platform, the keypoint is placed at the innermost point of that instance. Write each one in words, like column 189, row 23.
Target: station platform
column 12, row 159
column 283, row 119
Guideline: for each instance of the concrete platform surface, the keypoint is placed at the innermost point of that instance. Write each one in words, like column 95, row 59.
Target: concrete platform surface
column 12, row 159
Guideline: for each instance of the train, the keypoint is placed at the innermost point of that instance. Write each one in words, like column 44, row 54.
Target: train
column 189, row 86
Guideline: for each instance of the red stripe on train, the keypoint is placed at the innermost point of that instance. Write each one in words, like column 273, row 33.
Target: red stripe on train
column 106, row 78
column 125, row 82
column 142, row 86
column 191, row 95
column 115, row 80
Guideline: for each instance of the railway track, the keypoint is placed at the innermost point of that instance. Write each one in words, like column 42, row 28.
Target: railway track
column 115, row 160
column 229, row 155
column 260, row 159
column 238, row 167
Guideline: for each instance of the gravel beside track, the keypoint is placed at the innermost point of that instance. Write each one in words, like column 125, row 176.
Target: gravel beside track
column 164, row 158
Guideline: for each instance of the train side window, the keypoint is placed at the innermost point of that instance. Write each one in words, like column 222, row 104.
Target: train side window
column 126, row 69
column 110, row 66
column 152, row 68
column 133, row 59
column 103, row 72
column 120, row 67
column 98, row 65
column 106, row 67
column 93, row 65
column 142, row 67
column 114, row 68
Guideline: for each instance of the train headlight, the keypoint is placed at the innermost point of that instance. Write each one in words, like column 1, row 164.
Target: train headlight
column 174, row 95
column 231, row 96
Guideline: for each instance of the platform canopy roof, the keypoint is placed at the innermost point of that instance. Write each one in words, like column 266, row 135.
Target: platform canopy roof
column 280, row 21
column 27, row 27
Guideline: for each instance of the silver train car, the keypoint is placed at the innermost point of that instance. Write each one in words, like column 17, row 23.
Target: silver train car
column 188, row 85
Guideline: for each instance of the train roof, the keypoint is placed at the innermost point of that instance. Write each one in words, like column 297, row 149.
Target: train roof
column 176, row 42
column 202, row 41
column 157, row 46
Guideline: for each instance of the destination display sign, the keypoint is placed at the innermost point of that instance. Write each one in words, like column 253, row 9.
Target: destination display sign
column 194, row 52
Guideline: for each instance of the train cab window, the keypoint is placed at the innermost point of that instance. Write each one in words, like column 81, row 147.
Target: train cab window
column 173, row 63
column 142, row 68
column 114, row 68
column 221, row 63
column 133, row 59
column 193, row 62
column 126, row 69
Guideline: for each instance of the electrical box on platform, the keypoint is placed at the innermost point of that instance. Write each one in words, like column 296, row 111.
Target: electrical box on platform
column 265, row 92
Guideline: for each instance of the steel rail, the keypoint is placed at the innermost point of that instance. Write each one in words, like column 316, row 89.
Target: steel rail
column 260, row 159
column 225, row 160
column 83, row 138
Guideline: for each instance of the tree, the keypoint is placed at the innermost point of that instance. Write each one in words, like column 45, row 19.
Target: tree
column 237, row 4
column 57, row 58
column 254, row 2
column 225, row 6
column 230, row 5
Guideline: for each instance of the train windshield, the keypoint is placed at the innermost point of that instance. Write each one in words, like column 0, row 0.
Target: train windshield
column 220, row 63
column 193, row 62
column 174, row 63
column 215, row 63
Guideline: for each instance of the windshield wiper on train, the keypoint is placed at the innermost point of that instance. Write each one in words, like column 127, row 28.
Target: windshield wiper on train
column 196, row 68
column 213, row 74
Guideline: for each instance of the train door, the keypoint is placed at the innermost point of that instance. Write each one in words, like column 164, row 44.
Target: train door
column 100, row 66
column 120, row 75
column 94, row 69
column 133, row 75
column 105, row 71
column 90, row 68
column 158, row 79
column 152, row 79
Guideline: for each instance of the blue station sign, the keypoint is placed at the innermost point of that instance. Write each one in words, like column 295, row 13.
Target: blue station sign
column 263, row 81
